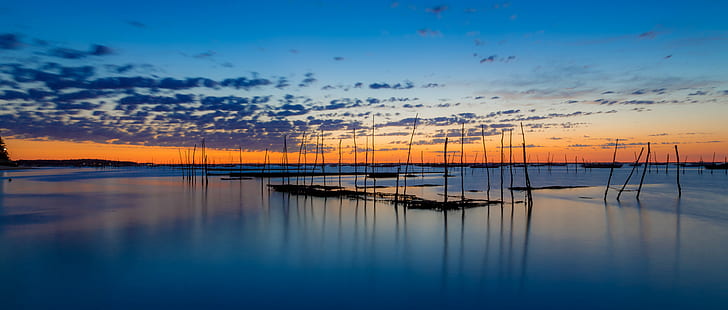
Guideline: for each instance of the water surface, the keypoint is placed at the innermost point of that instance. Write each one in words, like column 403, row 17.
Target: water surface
column 134, row 237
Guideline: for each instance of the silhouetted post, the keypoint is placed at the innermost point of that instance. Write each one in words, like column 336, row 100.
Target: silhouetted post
column 323, row 161
column 525, row 168
column 409, row 150
column 315, row 160
column 444, row 164
column 396, row 190
column 240, row 161
column 339, row 163
column 194, row 173
column 462, row 163
column 366, row 162
column 298, row 163
column 647, row 162
column 422, row 164
column 611, row 169
column 567, row 163
column 677, row 162
column 356, row 163
column 485, row 159
column 374, row 165
column 181, row 163
column 510, row 155
column 265, row 164
column 630, row 173
column 501, row 166
column 667, row 162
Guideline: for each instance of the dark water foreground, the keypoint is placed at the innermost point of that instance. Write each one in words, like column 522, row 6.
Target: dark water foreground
column 139, row 238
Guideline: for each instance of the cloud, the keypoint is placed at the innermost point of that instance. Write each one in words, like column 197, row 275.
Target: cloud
column 69, row 53
column 338, row 58
column 648, row 35
column 490, row 58
column 405, row 85
column 207, row 54
column 10, row 41
column 493, row 58
column 308, row 80
column 136, row 24
column 425, row 32
column 437, row 10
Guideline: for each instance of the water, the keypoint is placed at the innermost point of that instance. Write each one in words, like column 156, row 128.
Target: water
column 144, row 238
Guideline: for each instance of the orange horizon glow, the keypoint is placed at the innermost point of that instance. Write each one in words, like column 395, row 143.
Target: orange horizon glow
column 33, row 149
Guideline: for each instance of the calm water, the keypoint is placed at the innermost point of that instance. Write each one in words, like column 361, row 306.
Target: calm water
column 143, row 238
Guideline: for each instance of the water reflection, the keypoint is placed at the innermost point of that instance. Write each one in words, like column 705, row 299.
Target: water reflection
column 234, row 237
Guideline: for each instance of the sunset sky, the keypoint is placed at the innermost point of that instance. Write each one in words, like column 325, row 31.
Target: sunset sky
column 138, row 80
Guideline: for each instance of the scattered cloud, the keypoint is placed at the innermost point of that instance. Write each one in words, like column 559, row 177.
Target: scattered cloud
column 10, row 41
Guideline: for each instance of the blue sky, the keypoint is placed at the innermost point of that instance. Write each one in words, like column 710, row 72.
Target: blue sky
column 560, row 65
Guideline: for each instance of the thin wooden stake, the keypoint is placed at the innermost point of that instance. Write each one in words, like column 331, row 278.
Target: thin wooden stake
column 510, row 155
column 630, row 173
column 462, row 163
column 485, row 158
column 677, row 162
column 611, row 169
column 444, row 163
column 647, row 163
column 409, row 150
column 525, row 168
column 356, row 163
column 501, row 166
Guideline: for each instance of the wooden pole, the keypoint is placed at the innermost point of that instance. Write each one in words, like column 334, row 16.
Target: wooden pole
column 525, row 168
column 444, row 164
column 501, row 166
column 647, row 162
column 611, row 169
column 677, row 162
column 667, row 162
column 356, row 163
column 323, row 161
column 409, row 150
column 374, row 180
column 315, row 160
column 339, row 163
column 630, row 173
column 462, row 162
column 485, row 159
column 510, row 155
column 396, row 191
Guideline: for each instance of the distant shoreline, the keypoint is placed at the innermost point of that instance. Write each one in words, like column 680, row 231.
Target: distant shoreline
column 14, row 168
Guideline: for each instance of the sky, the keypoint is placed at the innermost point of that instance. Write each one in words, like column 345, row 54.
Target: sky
column 142, row 80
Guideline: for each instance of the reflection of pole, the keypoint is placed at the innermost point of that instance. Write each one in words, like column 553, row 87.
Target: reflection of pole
column 524, row 258
column 676, row 266
column 444, row 250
